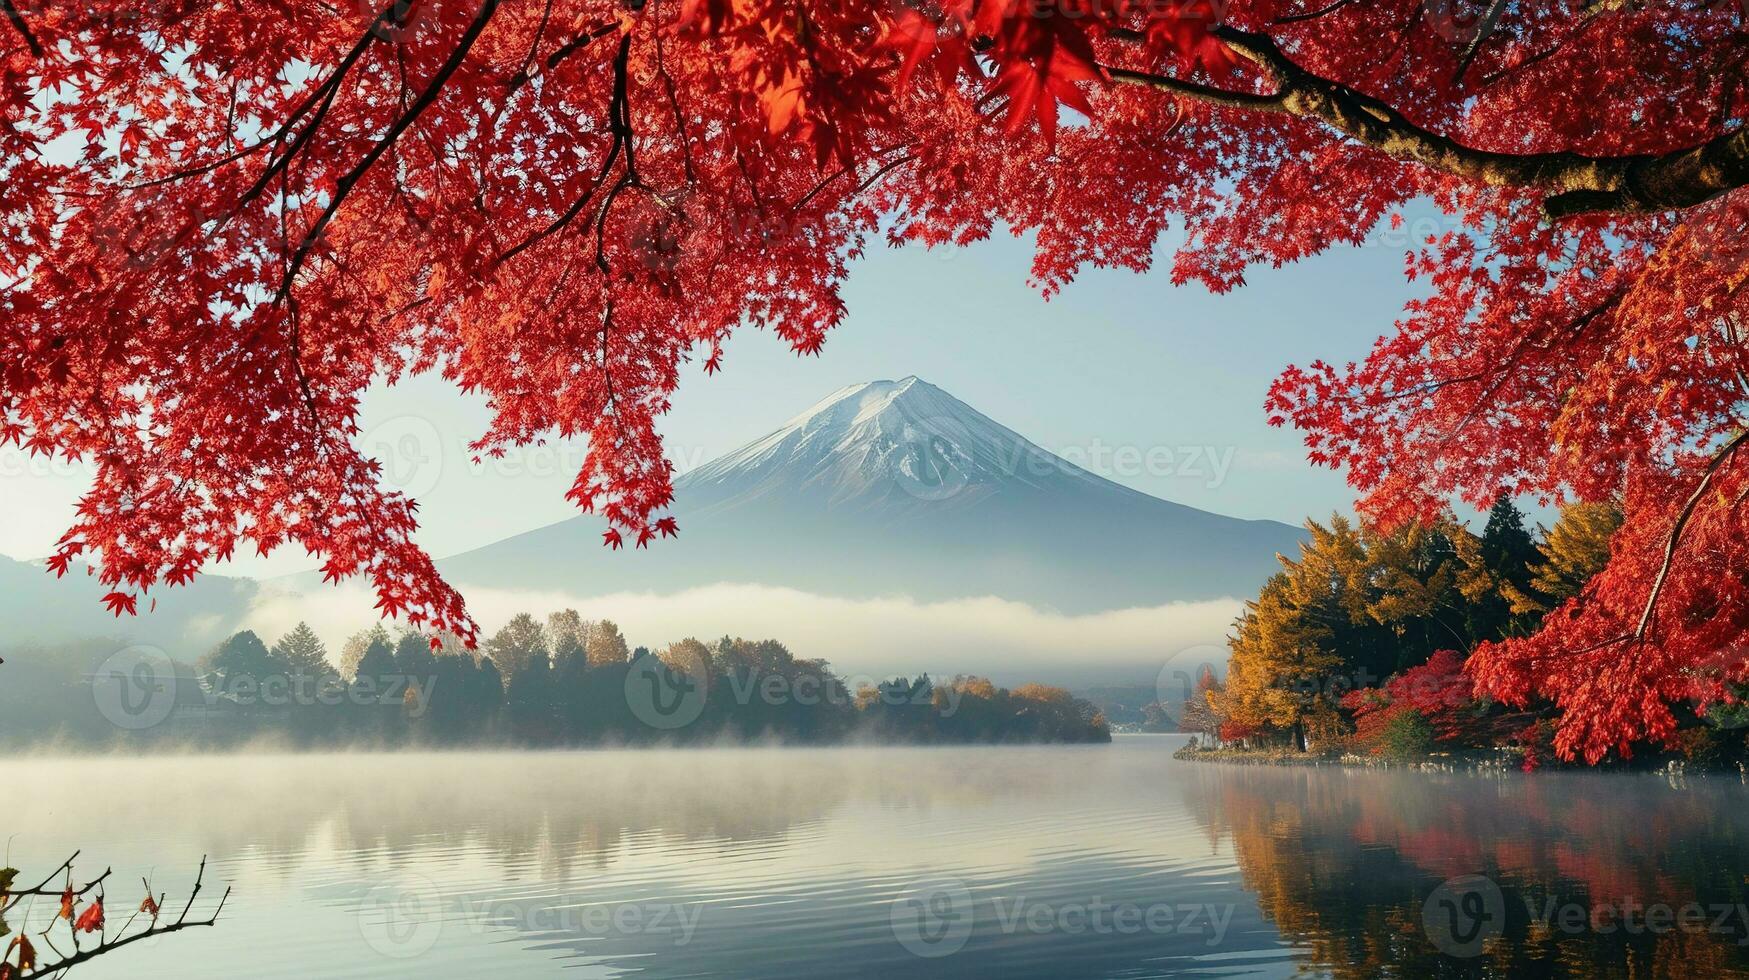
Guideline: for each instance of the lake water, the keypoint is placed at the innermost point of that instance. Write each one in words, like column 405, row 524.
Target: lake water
column 1086, row 861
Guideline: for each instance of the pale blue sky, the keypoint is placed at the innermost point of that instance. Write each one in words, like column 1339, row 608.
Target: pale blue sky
column 1117, row 360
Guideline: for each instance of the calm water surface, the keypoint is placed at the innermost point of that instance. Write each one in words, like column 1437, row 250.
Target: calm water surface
column 1095, row 861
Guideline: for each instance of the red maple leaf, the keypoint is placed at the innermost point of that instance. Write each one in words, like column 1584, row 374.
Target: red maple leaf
column 91, row 919
column 120, row 602
column 1044, row 62
column 1185, row 29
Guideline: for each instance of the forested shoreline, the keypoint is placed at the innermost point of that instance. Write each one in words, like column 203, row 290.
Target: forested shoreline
column 1367, row 645
column 565, row 682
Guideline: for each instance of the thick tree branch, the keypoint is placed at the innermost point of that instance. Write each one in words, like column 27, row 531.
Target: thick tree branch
column 1200, row 93
column 18, row 24
column 1580, row 184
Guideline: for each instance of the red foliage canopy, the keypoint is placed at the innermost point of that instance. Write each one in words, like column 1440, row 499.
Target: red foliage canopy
column 1438, row 690
column 1443, row 694
column 224, row 220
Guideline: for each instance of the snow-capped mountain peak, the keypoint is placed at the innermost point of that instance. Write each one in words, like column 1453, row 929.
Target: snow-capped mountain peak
column 899, row 442
column 897, row 488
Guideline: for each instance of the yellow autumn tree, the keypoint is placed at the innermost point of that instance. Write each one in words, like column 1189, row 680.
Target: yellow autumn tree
column 1355, row 606
column 1573, row 551
column 1425, row 578
column 1285, row 644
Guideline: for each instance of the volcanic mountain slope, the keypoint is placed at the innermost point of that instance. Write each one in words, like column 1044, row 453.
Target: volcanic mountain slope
column 37, row 608
column 896, row 488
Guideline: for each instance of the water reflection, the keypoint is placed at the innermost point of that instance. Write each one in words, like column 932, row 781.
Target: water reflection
column 1015, row 861
column 1585, row 875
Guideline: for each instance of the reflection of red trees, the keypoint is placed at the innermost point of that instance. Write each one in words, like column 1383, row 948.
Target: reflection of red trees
column 1538, row 831
column 1316, row 848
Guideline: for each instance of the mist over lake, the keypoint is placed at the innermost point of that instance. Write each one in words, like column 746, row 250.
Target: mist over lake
column 1020, row 861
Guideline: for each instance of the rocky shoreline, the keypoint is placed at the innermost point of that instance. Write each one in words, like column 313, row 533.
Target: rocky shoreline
column 1504, row 760
column 1482, row 762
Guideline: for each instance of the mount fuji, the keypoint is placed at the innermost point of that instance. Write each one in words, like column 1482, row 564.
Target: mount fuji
column 896, row 488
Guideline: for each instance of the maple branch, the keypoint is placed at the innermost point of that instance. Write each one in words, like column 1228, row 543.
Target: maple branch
column 679, row 117
column 617, row 106
column 521, row 76
column 1329, row 8
column 844, row 170
column 1486, row 30
column 569, row 48
column 1676, row 529
column 1429, row 387
column 875, row 177
column 1635, row 184
column 1524, row 345
column 323, row 94
column 1201, row 93
column 13, row 896
column 23, row 29
column 106, row 945
column 30, row 970
column 350, row 179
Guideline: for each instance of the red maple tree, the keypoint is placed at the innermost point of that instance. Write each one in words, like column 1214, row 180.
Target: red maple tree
column 224, row 220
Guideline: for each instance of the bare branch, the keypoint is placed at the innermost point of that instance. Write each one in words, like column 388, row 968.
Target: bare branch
column 106, row 943
column 569, row 48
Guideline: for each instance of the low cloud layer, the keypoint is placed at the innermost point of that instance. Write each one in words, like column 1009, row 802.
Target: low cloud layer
column 1010, row 642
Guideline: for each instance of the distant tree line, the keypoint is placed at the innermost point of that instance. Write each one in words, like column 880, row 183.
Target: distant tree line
column 1133, row 707
column 567, row 681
